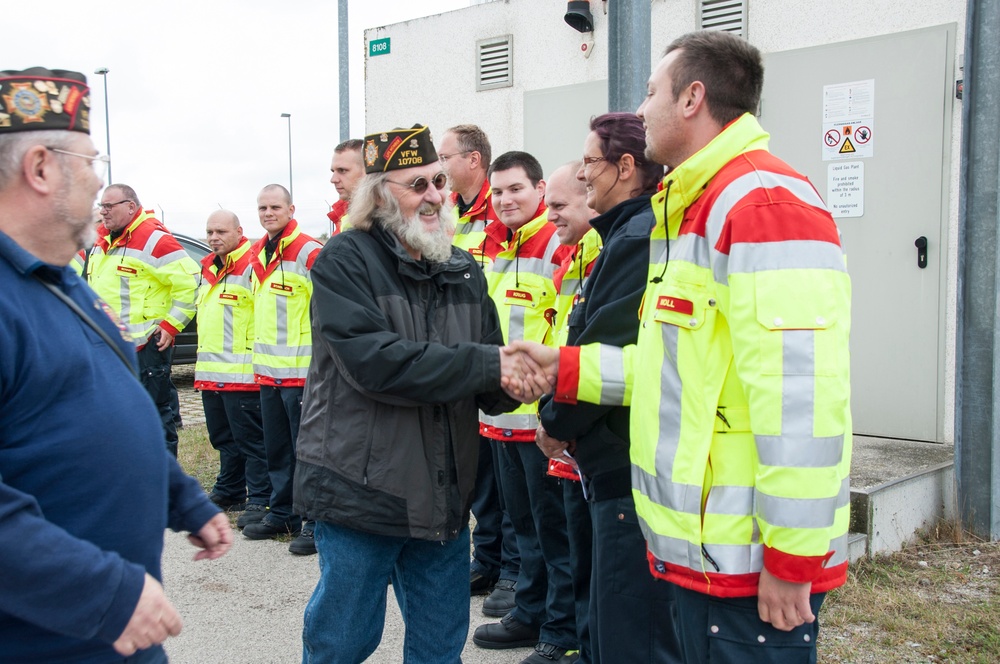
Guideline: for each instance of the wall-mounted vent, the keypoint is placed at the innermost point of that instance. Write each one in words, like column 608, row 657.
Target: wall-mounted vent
column 727, row 15
column 495, row 62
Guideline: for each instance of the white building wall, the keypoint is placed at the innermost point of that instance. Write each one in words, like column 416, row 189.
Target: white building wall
column 430, row 74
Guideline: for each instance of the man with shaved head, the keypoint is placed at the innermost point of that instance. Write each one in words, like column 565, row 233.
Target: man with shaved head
column 224, row 372
column 282, row 289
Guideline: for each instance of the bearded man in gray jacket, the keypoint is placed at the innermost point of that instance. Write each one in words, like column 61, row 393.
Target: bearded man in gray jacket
column 405, row 353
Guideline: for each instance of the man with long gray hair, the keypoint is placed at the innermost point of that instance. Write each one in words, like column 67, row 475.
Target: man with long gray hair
column 405, row 353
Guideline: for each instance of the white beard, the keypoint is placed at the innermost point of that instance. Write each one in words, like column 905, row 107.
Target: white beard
column 432, row 245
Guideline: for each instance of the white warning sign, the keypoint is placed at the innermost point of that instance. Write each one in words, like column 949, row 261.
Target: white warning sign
column 849, row 120
column 845, row 189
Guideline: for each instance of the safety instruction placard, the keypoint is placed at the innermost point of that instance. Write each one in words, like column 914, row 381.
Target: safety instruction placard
column 845, row 189
column 849, row 120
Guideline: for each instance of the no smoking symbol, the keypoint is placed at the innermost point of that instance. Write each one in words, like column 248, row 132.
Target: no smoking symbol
column 832, row 138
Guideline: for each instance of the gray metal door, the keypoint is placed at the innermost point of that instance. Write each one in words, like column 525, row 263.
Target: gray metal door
column 898, row 334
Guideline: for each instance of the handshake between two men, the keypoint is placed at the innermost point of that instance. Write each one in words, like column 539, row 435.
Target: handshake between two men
column 528, row 370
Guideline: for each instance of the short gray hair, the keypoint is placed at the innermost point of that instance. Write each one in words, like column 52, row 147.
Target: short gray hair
column 14, row 146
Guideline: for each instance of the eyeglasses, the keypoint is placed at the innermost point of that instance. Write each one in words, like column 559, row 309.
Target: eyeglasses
column 420, row 185
column 106, row 207
column 99, row 162
column 443, row 158
column 592, row 160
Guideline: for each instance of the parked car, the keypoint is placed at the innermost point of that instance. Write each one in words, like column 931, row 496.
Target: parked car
column 186, row 343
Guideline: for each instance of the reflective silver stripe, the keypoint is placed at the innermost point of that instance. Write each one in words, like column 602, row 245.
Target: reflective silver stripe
column 657, row 252
column 294, row 267
column 691, row 248
column 227, row 329
column 786, row 255
column 260, row 348
column 527, row 265
column 235, row 359
column 140, row 331
column 839, row 547
column 797, row 512
column 515, row 326
column 280, row 372
column 242, row 378
column 548, row 267
column 671, row 549
column 731, row 500
column 735, row 558
column 800, row 451
column 166, row 259
column 612, row 375
column 281, row 316
column 182, row 312
column 672, row 495
column 798, row 385
column 669, row 420
column 570, row 286
column 464, row 228
column 125, row 295
column 522, row 422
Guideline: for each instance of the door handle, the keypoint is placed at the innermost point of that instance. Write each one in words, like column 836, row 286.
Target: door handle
column 921, row 244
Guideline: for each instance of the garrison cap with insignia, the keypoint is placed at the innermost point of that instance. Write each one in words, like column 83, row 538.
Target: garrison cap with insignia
column 39, row 98
column 399, row 148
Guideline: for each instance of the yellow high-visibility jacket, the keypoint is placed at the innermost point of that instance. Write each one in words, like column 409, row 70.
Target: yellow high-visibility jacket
column 740, row 380
column 470, row 228
column 569, row 279
column 520, row 283
column 225, row 323
column 145, row 276
column 282, row 292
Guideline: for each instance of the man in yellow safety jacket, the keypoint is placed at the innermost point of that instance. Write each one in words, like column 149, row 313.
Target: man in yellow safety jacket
column 147, row 278
column 739, row 383
column 281, row 262
column 464, row 154
column 224, row 370
column 520, row 282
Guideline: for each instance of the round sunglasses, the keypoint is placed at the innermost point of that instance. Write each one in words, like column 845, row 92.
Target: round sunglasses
column 420, row 184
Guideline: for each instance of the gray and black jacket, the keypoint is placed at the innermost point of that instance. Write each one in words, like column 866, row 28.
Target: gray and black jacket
column 405, row 354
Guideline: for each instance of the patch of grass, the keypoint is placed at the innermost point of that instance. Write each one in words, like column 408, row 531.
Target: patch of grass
column 934, row 601
column 196, row 455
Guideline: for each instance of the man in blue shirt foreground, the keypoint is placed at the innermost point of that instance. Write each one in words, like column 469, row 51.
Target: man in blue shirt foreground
column 86, row 485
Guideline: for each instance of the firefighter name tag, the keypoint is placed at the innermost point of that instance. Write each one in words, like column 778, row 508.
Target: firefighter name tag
column 668, row 303
column 228, row 299
column 520, row 298
column 126, row 270
column 281, row 289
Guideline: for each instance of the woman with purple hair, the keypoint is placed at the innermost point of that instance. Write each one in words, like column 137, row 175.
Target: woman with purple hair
column 630, row 612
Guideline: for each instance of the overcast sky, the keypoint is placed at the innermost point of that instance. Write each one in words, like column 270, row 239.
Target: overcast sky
column 197, row 88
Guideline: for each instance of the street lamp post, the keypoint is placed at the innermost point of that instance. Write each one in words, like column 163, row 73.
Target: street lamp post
column 103, row 71
column 291, row 187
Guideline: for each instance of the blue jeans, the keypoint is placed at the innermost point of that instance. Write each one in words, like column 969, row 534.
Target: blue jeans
column 280, row 411
column 235, row 430
column 346, row 613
